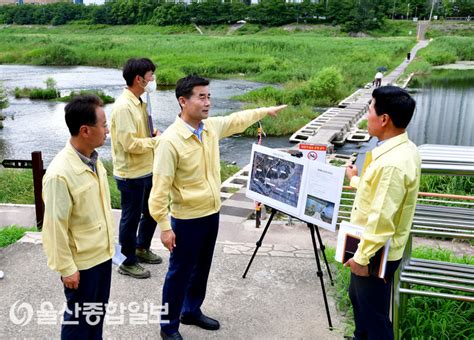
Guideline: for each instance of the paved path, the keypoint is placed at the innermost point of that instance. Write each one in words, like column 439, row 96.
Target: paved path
column 281, row 297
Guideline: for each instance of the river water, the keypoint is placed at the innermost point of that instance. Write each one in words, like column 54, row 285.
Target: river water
column 444, row 113
column 39, row 125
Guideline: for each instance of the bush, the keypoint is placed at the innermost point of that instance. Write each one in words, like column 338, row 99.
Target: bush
column 326, row 84
column 37, row 93
column 99, row 93
column 54, row 55
column 168, row 76
column 363, row 124
column 44, row 93
column 441, row 58
column 3, row 98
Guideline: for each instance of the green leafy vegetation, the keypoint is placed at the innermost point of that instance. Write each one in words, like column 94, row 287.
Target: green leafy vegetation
column 105, row 98
column 16, row 185
column 11, row 234
column 293, row 58
column 3, row 104
column 50, row 92
column 456, row 185
column 287, row 122
column 227, row 170
column 426, row 318
column 36, row 93
column 434, row 317
column 363, row 124
column 352, row 15
column 444, row 77
column 443, row 50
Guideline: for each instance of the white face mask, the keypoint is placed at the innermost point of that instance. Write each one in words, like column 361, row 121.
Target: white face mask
column 150, row 87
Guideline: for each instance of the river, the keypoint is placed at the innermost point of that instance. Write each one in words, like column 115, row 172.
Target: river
column 39, row 125
column 444, row 113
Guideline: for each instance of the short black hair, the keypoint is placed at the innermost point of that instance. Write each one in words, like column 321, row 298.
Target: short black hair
column 81, row 111
column 395, row 102
column 136, row 67
column 185, row 86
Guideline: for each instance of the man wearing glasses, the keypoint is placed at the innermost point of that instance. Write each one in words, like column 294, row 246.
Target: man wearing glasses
column 78, row 229
column 133, row 140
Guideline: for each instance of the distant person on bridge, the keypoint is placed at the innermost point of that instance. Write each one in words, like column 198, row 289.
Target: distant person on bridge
column 187, row 171
column 133, row 140
column 378, row 79
column 78, row 228
column 384, row 205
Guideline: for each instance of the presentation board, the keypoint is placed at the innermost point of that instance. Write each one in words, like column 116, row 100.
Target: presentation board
column 308, row 190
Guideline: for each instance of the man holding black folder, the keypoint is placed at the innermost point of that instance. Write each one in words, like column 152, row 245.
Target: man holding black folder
column 384, row 205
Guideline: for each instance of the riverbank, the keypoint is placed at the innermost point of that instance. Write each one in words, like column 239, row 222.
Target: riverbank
column 315, row 65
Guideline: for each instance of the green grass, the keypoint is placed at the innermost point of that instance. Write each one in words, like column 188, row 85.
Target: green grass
column 444, row 77
column 11, row 234
column 426, row 318
column 286, row 123
column 456, row 185
column 36, row 93
column 363, row 124
column 105, row 98
column 435, row 317
column 442, row 50
column 314, row 69
column 227, row 170
column 16, row 186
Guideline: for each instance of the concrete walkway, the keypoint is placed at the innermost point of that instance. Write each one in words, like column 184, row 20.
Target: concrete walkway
column 281, row 297
column 392, row 77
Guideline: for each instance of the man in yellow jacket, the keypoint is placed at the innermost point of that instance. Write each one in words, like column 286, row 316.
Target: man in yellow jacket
column 187, row 169
column 384, row 204
column 78, row 229
column 133, row 139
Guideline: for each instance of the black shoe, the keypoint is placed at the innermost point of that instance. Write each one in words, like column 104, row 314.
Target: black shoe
column 201, row 321
column 174, row 336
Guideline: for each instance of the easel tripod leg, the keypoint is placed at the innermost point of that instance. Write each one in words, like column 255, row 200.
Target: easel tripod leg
column 259, row 242
column 323, row 247
column 320, row 273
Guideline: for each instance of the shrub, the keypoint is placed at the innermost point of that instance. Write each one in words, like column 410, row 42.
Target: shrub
column 37, row 93
column 168, row 76
column 441, row 58
column 327, row 83
column 99, row 93
column 54, row 55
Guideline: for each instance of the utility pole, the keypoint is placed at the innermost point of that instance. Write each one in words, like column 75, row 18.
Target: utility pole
column 408, row 10
column 393, row 9
column 432, row 7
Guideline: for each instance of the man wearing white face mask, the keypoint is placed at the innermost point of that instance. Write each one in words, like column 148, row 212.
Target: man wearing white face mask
column 133, row 140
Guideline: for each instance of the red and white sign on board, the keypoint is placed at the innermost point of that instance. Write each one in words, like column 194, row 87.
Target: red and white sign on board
column 314, row 152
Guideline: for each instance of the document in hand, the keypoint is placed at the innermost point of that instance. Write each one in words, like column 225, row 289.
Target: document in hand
column 348, row 240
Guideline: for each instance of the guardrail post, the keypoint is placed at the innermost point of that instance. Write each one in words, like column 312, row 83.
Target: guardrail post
column 38, row 172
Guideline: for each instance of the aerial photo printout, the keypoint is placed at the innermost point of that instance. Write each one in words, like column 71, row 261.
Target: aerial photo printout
column 276, row 178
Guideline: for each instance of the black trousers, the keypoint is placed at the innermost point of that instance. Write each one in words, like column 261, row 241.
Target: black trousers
column 185, row 284
column 136, row 225
column 370, row 297
column 84, row 317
